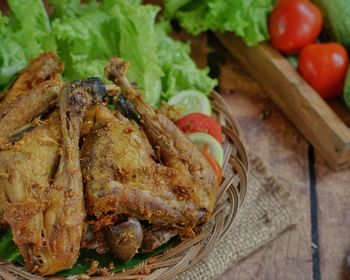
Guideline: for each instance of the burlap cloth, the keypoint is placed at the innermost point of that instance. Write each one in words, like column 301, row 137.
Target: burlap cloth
column 269, row 210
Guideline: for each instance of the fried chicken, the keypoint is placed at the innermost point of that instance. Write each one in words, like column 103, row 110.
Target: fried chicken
column 35, row 89
column 26, row 173
column 122, row 176
column 137, row 163
column 140, row 183
column 44, row 203
column 195, row 181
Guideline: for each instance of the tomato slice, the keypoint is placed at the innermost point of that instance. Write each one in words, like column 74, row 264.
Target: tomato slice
column 214, row 165
column 198, row 122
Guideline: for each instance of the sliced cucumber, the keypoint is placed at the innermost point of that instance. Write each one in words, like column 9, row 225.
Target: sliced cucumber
column 210, row 144
column 191, row 101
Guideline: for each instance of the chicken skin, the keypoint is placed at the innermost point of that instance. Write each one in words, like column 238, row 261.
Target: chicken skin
column 124, row 180
column 26, row 173
column 35, row 89
column 44, row 202
column 122, row 177
column 137, row 163
column 33, row 92
column 195, row 183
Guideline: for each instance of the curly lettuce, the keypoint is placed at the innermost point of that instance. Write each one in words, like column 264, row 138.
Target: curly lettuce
column 246, row 18
column 24, row 34
column 86, row 35
column 180, row 71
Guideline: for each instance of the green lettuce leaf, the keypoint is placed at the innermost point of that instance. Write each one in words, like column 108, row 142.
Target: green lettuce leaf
column 246, row 18
column 10, row 252
column 137, row 44
column 86, row 35
column 180, row 71
column 125, row 28
column 24, row 34
column 82, row 44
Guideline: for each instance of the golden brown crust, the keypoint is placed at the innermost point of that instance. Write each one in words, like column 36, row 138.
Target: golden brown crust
column 26, row 172
column 27, row 107
column 43, row 68
column 122, row 176
column 35, row 89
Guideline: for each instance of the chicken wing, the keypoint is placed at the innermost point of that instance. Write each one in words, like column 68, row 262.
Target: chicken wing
column 46, row 214
column 26, row 172
column 35, row 89
column 43, row 68
column 28, row 106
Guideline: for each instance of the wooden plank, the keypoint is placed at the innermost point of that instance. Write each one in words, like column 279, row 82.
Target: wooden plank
column 270, row 135
column 339, row 108
column 306, row 109
column 333, row 193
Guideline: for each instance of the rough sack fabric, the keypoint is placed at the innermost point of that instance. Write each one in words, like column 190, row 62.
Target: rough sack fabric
column 269, row 210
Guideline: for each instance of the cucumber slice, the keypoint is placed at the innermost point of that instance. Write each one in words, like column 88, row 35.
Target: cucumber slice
column 191, row 101
column 210, row 144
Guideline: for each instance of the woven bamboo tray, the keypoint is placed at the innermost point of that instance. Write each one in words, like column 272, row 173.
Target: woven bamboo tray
column 189, row 252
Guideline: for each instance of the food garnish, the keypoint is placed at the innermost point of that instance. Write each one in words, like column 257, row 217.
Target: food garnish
column 190, row 101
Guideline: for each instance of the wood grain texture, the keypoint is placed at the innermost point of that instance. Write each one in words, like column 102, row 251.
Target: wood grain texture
column 305, row 108
column 333, row 193
column 270, row 135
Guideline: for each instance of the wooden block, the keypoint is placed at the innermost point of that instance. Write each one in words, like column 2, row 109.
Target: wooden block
column 303, row 106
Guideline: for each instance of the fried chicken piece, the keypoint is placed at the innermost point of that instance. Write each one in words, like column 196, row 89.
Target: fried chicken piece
column 155, row 237
column 195, row 184
column 142, row 166
column 26, row 172
column 35, row 89
column 63, row 218
column 27, row 107
column 122, row 177
column 48, row 225
column 43, row 68
column 33, row 92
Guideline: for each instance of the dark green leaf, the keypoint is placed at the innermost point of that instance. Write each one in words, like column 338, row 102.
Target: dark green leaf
column 9, row 252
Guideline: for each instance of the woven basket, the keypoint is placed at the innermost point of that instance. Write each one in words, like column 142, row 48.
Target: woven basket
column 189, row 252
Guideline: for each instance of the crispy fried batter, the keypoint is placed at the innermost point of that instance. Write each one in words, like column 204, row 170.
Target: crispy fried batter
column 122, row 176
column 43, row 68
column 27, row 107
column 26, row 172
column 44, row 203
column 35, row 89
column 64, row 217
column 136, row 164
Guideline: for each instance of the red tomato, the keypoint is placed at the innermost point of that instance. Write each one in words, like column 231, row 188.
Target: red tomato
column 214, row 165
column 198, row 122
column 294, row 24
column 324, row 67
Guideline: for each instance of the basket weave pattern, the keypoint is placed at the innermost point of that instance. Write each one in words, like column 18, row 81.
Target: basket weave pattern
column 190, row 251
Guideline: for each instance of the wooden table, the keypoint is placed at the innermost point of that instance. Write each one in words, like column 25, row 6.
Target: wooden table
column 316, row 248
